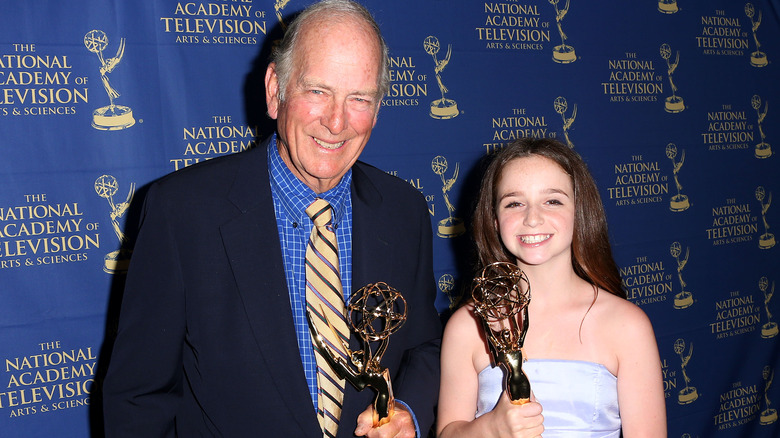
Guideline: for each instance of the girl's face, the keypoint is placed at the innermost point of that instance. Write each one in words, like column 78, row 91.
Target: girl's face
column 535, row 211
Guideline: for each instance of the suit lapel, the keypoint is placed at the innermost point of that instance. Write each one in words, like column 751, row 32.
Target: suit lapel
column 369, row 234
column 252, row 245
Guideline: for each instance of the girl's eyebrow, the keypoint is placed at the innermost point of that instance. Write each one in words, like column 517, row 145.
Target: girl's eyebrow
column 545, row 191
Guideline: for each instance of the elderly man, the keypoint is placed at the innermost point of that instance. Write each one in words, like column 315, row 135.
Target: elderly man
column 214, row 334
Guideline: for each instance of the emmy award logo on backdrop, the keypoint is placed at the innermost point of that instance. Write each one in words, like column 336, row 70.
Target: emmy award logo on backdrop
column 679, row 202
column 446, row 285
column 106, row 186
column 767, row 240
column 561, row 106
column 278, row 7
column 684, row 298
column 757, row 58
column 440, row 108
column 564, row 53
column 673, row 103
column 688, row 394
column 763, row 150
column 768, row 415
column 451, row 226
column 768, row 330
column 112, row 117
column 668, row 6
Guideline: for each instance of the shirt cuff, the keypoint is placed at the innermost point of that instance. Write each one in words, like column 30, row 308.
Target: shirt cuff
column 414, row 418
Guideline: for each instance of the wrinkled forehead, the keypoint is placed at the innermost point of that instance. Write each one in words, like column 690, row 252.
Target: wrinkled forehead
column 334, row 34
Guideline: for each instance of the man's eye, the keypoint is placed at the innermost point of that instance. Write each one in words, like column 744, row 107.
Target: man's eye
column 362, row 104
column 363, row 100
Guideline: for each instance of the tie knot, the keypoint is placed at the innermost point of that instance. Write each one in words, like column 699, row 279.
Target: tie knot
column 320, row 212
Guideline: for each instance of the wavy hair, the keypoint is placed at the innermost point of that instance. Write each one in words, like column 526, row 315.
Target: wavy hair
column 591, row 252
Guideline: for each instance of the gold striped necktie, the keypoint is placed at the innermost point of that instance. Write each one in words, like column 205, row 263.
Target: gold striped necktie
column 325, row 302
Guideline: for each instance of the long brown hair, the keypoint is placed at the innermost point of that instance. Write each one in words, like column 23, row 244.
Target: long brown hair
column 591, row 252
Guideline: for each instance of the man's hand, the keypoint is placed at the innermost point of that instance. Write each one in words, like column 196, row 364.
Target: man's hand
column 401, row 424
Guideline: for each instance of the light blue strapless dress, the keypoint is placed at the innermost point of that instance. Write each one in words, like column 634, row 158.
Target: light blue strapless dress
column 579, row 399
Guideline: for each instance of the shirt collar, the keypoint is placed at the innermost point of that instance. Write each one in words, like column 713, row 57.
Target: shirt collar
column 295, row 196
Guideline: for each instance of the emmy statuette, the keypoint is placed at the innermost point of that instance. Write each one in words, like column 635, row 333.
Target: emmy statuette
column 374, row 313
column 501, row 295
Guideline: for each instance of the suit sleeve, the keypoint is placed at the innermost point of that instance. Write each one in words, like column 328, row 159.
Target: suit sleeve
column 143, row 385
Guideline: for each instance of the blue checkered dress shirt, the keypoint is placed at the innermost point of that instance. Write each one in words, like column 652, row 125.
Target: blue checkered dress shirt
column 291, row 197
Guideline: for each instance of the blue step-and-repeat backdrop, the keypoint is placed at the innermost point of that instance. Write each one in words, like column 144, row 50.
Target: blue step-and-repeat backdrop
column 674, row 105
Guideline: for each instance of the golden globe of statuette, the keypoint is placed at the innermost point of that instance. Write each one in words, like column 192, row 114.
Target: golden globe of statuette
column 95, row 41
column 376, row 311
column 446, row 285
column 501, row 294
column 431, row 45
column 560, row 105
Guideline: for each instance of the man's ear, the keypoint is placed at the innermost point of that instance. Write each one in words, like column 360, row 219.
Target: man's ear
column 272, row 91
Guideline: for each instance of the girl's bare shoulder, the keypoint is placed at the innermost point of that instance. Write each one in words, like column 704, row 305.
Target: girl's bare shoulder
column 463, row 321
column 621, row 318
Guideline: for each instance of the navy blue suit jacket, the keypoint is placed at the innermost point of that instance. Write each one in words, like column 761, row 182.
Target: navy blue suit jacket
column 206, row 343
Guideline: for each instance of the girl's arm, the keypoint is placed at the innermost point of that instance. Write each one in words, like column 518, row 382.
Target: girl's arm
column 640, row 381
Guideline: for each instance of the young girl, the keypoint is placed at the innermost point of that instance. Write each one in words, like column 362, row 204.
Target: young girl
column 592, row 361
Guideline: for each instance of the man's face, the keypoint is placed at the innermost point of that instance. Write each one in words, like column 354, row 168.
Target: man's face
column 331, row 102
